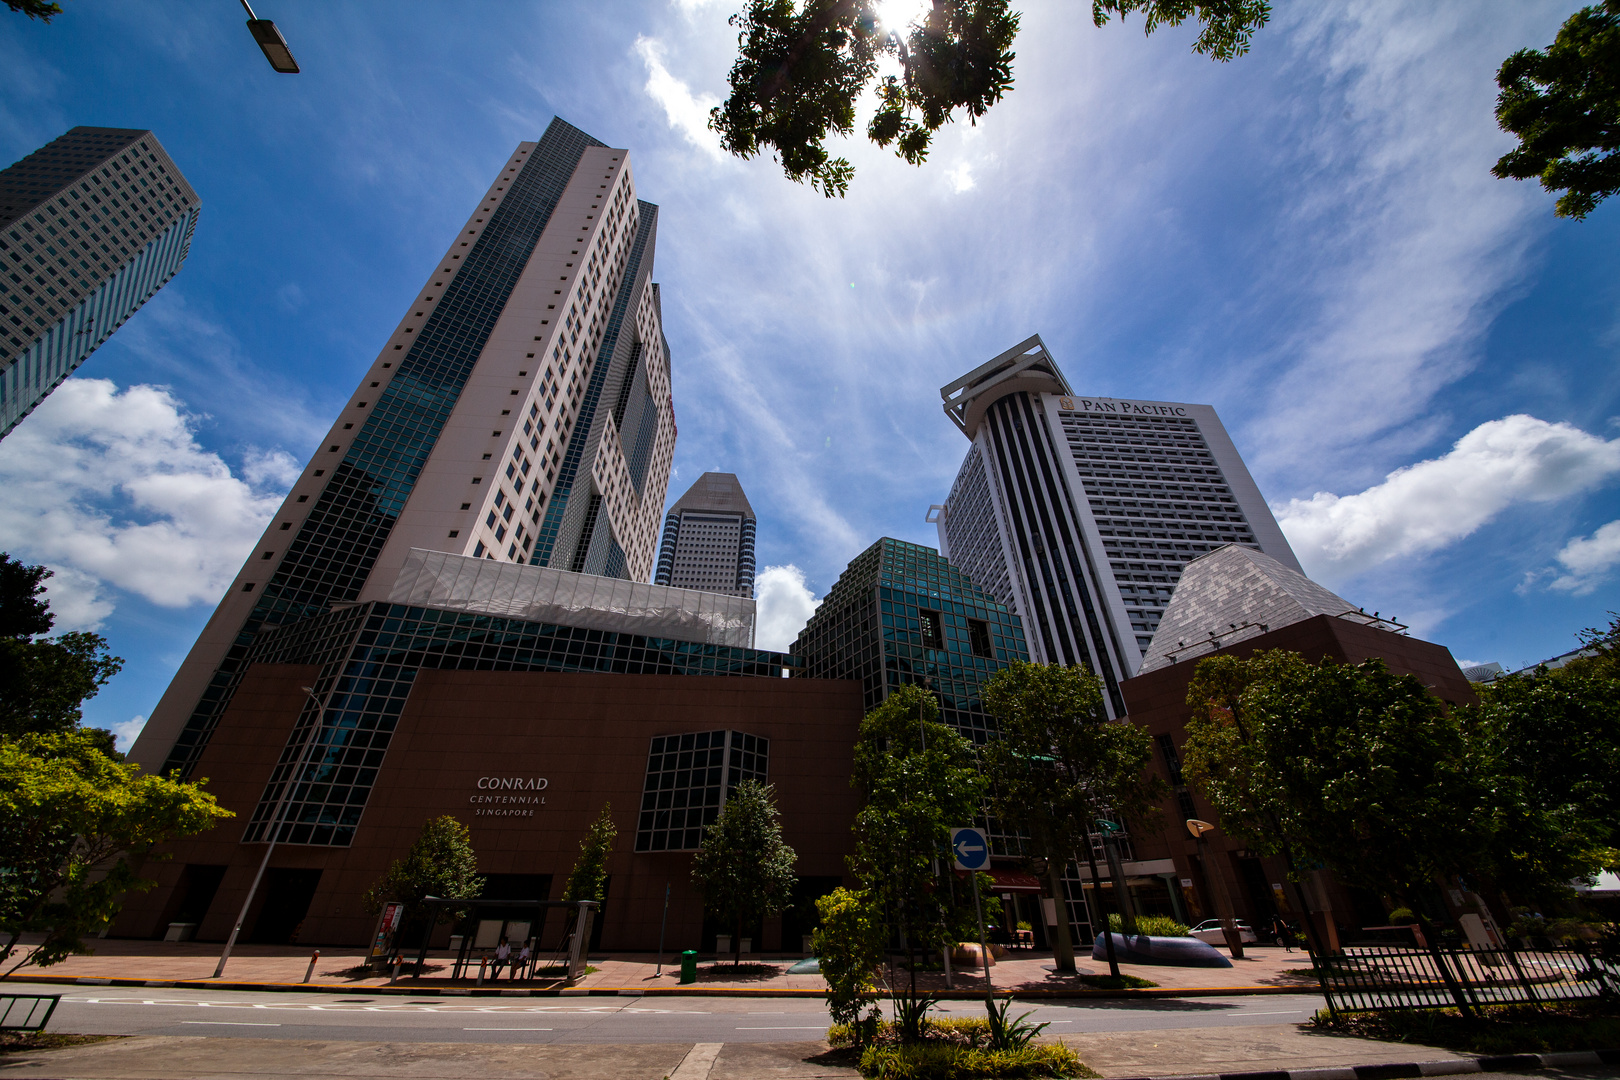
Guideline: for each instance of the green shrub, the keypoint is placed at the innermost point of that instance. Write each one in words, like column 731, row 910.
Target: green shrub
column 1151, row 925
column 947, row 1061
column 849, row 944
column 1401, row 916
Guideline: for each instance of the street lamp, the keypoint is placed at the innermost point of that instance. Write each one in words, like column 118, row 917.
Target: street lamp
column 271, row 43
column 275, row 824
column 1217, row 885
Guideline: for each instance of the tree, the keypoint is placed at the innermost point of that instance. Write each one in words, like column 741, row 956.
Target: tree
column 72, row 823
column 743, row 866
column 919, row 780
column 1060, row 764
column 43, row 10
column 43, row 683
column 849, row 950
column 1347, row 766
column 1563, row 103
column 588, row 879
column 1551, row 740
column 801, row 67
column 441, row 863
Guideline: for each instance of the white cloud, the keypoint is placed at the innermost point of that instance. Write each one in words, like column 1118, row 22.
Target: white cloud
column 1426, row 506
column 77, row 600
column 275, row 469
column 961, row 178
column 1589, row 560
column 688, row 113
column 126, row 732
column 785, row 604
column 110, row 487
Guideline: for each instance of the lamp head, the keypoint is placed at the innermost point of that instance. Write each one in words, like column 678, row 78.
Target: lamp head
column 1198, row 828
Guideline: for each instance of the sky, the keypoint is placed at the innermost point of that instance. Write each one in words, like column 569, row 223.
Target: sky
column 1418, row 361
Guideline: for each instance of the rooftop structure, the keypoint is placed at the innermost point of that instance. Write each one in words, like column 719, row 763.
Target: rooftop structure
column 709, row 538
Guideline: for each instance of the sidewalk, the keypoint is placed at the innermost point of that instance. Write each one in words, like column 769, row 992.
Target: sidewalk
column 134, row 962
column 1125, row 1054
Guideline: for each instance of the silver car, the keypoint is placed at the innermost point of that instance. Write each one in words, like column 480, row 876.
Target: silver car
column 1209, row 931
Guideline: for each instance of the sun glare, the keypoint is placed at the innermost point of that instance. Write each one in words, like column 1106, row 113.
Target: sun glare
column 899, row 14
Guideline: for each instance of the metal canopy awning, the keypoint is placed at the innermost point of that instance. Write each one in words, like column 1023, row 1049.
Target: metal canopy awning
column 1015, row 881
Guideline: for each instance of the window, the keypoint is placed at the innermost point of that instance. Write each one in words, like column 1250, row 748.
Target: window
column 267, row 554
column 285, row 525
column 478, row 552
column 454, row 533
column 979, row 638
column 303, row 498
column 248, row 587
column 928, row 623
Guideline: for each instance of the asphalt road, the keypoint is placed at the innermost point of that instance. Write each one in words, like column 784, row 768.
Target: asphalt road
column 114, row 1011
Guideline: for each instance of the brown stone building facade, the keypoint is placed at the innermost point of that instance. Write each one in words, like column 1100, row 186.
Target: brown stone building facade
column 1157, row 700
column 527, row 760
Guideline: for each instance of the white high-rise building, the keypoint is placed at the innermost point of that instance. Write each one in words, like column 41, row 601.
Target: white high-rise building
column 1079, row 512
column 709, row 538
column 520, row 412
column 92, row 225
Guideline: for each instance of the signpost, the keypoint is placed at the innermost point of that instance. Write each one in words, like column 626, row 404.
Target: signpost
column 972, row 850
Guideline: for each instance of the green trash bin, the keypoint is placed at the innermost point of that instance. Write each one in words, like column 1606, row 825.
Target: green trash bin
column 688, row 967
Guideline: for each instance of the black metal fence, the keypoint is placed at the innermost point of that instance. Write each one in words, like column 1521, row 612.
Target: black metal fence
column 1387, row 977
column 26, row 1012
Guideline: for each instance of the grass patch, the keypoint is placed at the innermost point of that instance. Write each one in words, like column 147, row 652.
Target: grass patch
column 1500, row 1029
column 21, row 1042
column 935, row 1060
column 1124, row 982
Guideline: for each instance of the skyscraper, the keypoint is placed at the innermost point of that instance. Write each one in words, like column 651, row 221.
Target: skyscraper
column 1080, row 512
column 901, row 614
column 709, row 538
column 520, row 412
column 91, row 226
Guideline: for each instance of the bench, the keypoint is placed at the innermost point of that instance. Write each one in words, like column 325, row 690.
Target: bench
column 26, row 1012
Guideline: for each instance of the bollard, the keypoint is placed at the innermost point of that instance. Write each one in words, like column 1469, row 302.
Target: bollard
column 482, row 960
column 398, row 960
column 688, row 967
column 311, row 969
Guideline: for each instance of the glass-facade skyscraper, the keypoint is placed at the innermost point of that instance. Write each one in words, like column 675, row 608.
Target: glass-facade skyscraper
column 709, row 537
column 92, row 225
column 520, row 412
column 901, row 614
column 1078, row 513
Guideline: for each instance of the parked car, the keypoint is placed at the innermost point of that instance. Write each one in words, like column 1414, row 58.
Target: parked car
column 1209, row 931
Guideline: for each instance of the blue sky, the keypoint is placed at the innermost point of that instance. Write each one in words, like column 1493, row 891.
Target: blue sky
column 1417, row 360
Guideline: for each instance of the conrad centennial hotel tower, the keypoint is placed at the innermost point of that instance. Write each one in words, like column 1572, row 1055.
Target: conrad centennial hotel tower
column 520, row 413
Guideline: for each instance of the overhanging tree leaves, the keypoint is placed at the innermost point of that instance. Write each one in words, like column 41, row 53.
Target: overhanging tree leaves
column 441, row 863
column 1347, row 766
column 743, row 867
column 1563, row 103
column 1060, row 764
column 71, row 821
column 802, row 67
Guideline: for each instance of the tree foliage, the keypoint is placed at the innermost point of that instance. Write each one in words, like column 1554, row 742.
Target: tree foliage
column 72, row 822
column 43, row 10
column 588, row 879
column 44, row 682
column 919, row 781
column 1345, row 765
column 801, row 68
column 441, row 863
column 1551, row 739
column 849, row 950
column 1060, row 764
column 743, row 866
column 1563, row 103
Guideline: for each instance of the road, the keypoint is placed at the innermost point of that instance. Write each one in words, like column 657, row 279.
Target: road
column 343, row 1017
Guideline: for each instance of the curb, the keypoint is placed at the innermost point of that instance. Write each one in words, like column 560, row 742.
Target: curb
column 657, row 991
column 1399, row 1070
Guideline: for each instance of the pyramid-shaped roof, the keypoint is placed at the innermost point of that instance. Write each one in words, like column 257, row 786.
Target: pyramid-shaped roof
column 1234, row 593
column 719, row 492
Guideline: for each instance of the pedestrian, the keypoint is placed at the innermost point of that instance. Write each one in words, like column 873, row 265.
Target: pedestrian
column 522, row 962
column 1280, row 931
column 502, row 951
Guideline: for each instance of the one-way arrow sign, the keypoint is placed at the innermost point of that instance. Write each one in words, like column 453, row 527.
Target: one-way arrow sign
column 971, row 848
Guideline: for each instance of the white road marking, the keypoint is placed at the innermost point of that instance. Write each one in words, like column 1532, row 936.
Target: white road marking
column 228, row 1023
column 812, row 1027
column 505, row 1029
column 345, row 1007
